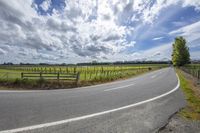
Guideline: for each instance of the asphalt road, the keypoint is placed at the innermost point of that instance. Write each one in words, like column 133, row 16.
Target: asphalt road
column 77, row 107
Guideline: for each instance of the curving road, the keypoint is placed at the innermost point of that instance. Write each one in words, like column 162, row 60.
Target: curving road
column 146, row 100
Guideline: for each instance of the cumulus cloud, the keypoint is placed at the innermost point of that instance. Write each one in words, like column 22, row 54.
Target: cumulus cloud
column 195, row 3
column 191, row 32
column 73, row 29
column 150, row 10
column 46, row 5
column 98, row 29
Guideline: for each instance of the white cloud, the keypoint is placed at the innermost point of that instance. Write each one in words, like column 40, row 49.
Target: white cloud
column 160, row 53
column 191, row 32
column 195, row 3
column 150, row 13
column 83, row 30
column 72, row 31
column 157, row 38
column 46, row 4
column 2, row 51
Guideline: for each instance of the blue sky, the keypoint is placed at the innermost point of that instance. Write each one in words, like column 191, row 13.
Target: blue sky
column 71, row 31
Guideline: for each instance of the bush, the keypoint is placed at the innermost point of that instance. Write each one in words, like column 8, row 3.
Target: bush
column 41, row 81
column 17, row 81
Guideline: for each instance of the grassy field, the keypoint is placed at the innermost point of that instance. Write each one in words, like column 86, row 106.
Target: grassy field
column 88, row 74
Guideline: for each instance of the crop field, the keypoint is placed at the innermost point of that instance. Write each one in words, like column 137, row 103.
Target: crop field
column 87, row 73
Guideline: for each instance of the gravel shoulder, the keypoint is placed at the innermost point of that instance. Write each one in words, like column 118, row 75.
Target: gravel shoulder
column 178, row 124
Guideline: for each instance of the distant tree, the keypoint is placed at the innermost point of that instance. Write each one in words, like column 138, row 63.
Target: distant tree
column 180, row 53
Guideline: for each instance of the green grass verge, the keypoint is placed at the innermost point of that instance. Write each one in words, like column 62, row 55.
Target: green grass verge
column 192, row 110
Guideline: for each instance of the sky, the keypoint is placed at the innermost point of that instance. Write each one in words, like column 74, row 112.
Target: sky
column 73, row 31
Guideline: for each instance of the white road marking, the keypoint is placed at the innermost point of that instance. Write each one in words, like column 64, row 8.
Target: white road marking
column 119, row 87
column 45, row 125
column 153, row 76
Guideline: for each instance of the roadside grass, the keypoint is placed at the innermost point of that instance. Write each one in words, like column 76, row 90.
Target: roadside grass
column 36, row 84
column 5, row 88
column 192, row 110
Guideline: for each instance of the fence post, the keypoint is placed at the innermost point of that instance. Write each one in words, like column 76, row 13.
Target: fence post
column 198, row 76
column 22, row 75
column 77, row 78
column 40, row 75
column 58, row 76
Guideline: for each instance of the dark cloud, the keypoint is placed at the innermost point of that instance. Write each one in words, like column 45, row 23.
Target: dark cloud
column 60, row 26
column 91, row 51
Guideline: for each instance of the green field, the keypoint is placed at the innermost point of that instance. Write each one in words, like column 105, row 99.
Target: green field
column 86, row 72
column 11, row 76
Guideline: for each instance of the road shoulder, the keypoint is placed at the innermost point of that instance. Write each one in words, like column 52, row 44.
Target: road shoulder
column 187, row 120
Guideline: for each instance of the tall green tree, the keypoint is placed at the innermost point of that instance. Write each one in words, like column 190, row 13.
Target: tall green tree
column 180, row 53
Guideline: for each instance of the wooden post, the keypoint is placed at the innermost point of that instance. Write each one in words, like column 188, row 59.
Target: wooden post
column 22, row 75
column 58, row 76
column 198, row 76
column 77, row 78
column 40, row 75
